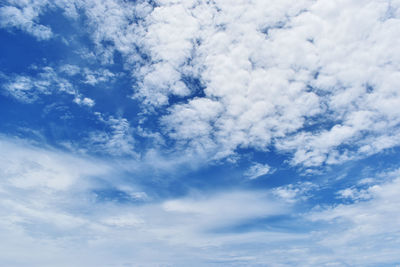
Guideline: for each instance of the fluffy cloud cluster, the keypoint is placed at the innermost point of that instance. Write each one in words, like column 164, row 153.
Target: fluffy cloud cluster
column 313, row 78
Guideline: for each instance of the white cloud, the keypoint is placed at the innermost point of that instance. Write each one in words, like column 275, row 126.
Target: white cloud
column 295, row 192
column 25, row 17
column 365, row 231
column 47, row 207
column 29, row 88
column 69, row 69
column 226, row 209
column 257, row 170
column 20, row 88
column 117, row 140
column 275, row 68
column 98, row 76
column 354, row 194
column 313, row 78
column 31, row 167
column 84, row 101
column 47, row 81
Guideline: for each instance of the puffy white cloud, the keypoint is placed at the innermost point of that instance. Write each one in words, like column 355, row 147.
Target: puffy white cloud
column 314, row 78
column 85, row 101
column 281, row 70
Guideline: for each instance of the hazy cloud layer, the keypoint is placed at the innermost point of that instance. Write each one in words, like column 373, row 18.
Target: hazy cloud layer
column 49, row 204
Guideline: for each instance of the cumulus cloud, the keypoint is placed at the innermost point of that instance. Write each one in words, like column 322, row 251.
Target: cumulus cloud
column 310, row 78
column 85, row 101
column 315, row 78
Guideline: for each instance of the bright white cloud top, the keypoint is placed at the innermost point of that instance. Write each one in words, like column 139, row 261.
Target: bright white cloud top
column 208, row 133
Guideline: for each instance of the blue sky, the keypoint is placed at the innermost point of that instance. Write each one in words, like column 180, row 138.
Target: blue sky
column 201, row 133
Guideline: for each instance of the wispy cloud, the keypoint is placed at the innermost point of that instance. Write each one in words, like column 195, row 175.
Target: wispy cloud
column 25, row 17
column 29, row 88
column 257, row 170
column 49, row 203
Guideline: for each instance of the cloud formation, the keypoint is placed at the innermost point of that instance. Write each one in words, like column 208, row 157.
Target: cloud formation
column 24, row 17
column 311, row 78
column 47, row 81
column 199, row 93
column 49, row 204
column 257, row 170
column 315, row 78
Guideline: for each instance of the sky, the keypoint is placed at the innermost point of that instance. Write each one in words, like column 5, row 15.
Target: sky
column 199, row 133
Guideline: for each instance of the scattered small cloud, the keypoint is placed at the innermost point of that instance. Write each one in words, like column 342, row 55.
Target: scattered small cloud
column 257, row 170
column 84, row 101
column 293, row 193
